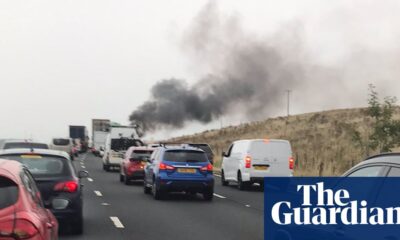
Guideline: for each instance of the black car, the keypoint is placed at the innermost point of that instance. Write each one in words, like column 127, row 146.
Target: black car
column 206, row 148
column 58, row 183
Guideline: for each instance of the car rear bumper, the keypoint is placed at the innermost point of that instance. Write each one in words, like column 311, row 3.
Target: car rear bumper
column 173, row 185
column 67, row 215
column 138, row 174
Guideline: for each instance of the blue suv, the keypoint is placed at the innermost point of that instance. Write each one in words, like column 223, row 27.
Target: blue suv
column 179, row 169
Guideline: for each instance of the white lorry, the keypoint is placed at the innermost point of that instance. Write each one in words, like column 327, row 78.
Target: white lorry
column 99, row 142
column 118, row 140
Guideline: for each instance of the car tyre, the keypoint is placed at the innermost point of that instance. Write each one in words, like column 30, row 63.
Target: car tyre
column 208, row 195
column 121, row 178
column 157, row 194
column 241, row 185
column 127, row 181
column 146, row 189
column 223, row 181
column 77, row 226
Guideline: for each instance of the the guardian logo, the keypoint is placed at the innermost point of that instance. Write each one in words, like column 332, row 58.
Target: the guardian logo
column 331, row 207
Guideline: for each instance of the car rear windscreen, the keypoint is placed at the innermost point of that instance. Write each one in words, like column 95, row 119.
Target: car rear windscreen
column 43, row 165
column 61, row 142
column 13, row 145
column 141, row 154
column 185, row 156
column 8, row 192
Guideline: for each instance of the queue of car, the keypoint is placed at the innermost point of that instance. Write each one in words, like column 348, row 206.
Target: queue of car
column 38, row 181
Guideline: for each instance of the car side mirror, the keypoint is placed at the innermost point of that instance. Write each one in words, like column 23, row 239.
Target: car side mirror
column 101, row 148
column 83, row 174
column 224, row 154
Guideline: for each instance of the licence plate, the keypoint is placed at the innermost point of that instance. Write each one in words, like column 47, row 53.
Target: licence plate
column 186, row 170
column 260, row 167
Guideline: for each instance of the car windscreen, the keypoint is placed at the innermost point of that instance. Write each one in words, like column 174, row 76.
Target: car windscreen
column 141, row 154
column 184, row 156
column 13, row 145
column 43, row 165
column 61, row 142
column 8, row 192
column 122, row 144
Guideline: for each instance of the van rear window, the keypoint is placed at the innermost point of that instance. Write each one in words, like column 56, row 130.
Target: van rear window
column 61, row 142
column 263, row 149
column 8, row 192
column 185, row 156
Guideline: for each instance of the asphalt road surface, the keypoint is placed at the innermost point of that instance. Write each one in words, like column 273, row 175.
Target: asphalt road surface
column 113, row 210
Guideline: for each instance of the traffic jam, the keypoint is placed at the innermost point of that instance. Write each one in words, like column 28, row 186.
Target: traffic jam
column 201, row 119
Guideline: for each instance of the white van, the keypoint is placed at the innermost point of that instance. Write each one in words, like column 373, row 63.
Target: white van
column 117, row 142
column 249, row 161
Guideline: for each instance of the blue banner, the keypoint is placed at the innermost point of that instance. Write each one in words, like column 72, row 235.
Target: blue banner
column 332, row 208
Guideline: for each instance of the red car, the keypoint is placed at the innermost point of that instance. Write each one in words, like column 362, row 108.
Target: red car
column 132, row 166
column 22, row 213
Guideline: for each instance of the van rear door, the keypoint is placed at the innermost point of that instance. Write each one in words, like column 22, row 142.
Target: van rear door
column 271, row 156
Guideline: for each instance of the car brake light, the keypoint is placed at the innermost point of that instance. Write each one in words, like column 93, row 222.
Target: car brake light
column 70, row 186
column 164, row 166
column 291, row 163
column 208, row 168
column 19, row 229
column 247, row 162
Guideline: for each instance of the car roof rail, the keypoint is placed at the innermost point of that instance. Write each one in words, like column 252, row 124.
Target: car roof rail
column 383, row 155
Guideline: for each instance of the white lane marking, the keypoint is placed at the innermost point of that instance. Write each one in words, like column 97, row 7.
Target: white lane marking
column 247, row 205
column 90, row 179
column 117, row 222
column 219, row 196
column 105, row 204
column 98, row 193
column 83, row 167
column 217, row 175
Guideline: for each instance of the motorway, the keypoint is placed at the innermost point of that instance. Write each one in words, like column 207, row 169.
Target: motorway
column 113, row 210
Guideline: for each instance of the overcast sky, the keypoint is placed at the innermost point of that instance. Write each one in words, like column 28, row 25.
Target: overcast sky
column 65, row 62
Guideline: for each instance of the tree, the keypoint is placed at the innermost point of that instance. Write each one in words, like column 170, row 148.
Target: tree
column 385, row 131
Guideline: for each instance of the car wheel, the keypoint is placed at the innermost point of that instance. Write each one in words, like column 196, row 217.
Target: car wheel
column 208, row 195
column 157, row 194
column 106, row 167
column 77, row 226
column 223, row 181
column 121, row 178
column 146, row 189
column 241, row 184
column 127, row 181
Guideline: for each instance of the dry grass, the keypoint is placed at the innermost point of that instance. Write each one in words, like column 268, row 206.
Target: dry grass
column 322, row 142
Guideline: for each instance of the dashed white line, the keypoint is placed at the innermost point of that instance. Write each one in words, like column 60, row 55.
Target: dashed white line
column 248, row 206
column 98, row 193
column 117, row 222
column 217, row 175
column 219, row 196
column 90, row 179
column 83, row 167
column 105, row 204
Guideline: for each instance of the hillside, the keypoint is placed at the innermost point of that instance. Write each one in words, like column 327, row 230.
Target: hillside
column 322, row 141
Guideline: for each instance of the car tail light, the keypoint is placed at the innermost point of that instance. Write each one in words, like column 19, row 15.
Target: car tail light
column 291, row 163
column 70, row 186
column 247, row 161
column 164, row 166
column 208, row 168
column 18, row 229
